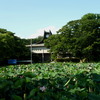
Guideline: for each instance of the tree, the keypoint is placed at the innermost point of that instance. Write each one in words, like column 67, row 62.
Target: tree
column 90, row 36
column 80, row 37
column 11, row 47
column 56, row 45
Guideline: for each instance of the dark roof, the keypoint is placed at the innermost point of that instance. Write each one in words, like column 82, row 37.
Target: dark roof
column 46, row 35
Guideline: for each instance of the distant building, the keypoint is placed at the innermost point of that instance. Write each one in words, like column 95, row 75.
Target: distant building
column 39, row 52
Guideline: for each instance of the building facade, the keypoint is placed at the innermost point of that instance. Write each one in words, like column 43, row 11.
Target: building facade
column 39, row 53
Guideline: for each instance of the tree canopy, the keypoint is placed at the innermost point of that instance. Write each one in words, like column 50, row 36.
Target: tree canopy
column 80, row 37
column 11, row 46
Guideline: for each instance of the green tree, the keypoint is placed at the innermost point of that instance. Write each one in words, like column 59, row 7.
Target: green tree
column 11, row 47
column 80, row 37
column 90, row 36
column 56, row 45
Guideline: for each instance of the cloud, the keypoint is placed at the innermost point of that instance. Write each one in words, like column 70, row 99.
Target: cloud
column 40, row 32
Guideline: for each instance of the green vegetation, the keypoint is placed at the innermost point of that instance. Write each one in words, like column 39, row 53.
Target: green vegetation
column 11, row 46
column 79, row 40
column 79, row 37
column 51, row 81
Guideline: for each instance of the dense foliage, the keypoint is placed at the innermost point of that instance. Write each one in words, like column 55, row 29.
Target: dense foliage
column 80, row 37
column 54, row 81
column 11, row 46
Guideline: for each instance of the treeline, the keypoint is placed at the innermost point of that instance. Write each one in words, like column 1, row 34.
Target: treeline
column 11, row 47
column 80, row 38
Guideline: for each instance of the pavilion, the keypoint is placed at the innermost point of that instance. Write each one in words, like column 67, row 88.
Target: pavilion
column 39, row 53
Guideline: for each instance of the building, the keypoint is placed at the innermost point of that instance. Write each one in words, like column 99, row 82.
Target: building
column 39, row 53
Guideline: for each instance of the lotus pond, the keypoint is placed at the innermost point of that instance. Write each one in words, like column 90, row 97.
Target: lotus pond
column 50, row 81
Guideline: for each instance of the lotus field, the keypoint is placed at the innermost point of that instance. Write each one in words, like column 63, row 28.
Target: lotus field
column 50, row 81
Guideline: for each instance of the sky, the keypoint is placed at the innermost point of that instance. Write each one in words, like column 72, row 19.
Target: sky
column 29, row 18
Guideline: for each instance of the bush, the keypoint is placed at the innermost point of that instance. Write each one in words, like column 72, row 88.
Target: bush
column 50, row 81
column 68, row 59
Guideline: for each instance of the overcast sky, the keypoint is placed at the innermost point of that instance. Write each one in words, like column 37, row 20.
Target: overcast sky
column 29, row 18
